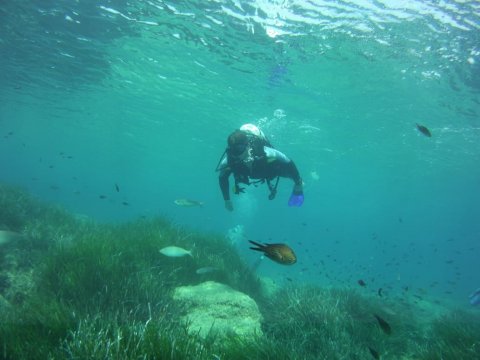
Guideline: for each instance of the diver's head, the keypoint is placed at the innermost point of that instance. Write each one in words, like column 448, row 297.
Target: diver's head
column 237, row 143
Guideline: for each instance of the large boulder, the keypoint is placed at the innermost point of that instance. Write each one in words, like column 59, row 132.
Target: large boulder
column 218, row 310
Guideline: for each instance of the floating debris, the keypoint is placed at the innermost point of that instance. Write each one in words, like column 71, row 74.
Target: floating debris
column 280, row 253
column 188, row 203
column 175, row 251
column 383, row 325
column 424, row 130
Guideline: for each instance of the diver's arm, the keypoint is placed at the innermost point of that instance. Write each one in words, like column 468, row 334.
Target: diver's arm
column 224, row 184
column 287, row 168
column 292, row 171
column 225, row 188
column 297, row 197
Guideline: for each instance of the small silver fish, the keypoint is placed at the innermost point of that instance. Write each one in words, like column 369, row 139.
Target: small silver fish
column 7, row 236
column 206, row 270
column 188, row 203
column 175, row 251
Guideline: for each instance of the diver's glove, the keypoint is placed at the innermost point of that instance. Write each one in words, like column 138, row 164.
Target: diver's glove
column 229, row 205
column 296, row 199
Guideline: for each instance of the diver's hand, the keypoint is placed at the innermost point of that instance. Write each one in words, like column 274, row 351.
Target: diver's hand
column 229, row 205
column 296, row 199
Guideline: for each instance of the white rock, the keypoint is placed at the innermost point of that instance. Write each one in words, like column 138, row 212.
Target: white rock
column 220, row 310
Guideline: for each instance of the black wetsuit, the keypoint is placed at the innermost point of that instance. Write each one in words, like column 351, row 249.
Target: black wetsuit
column 269, row 165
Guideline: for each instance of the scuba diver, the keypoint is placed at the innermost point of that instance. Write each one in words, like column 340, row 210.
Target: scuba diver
column 249, row 155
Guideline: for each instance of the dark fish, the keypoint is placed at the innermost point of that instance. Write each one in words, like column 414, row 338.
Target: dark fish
column 424, row 130
column 117, row 188
column 374, row 353
column 280, row 253
column 383, row 325
column 361, row 282
column 125, row 203
column 102, row 196
column 379, row 292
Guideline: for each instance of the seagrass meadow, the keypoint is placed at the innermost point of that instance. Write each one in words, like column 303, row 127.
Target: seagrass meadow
column 117, row 237
column 72, row 288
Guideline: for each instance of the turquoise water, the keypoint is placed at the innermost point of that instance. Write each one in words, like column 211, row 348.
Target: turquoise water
column 143, row 94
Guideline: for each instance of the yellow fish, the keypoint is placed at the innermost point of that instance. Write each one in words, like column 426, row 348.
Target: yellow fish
column 280, row 253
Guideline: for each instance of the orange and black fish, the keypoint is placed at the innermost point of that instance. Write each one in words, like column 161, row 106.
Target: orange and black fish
column 424, row 130
column 279, row 253
column 383, row 325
